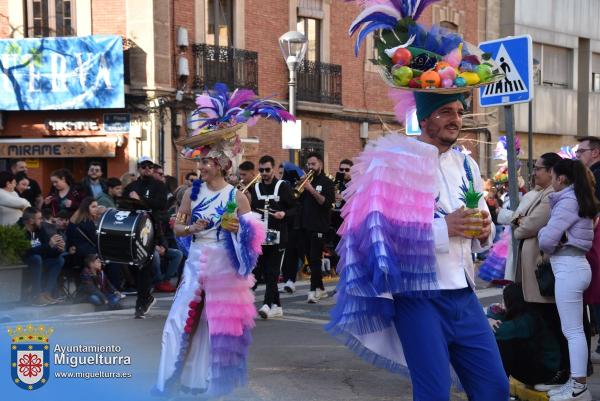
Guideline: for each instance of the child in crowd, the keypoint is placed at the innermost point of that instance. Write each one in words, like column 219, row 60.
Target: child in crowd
column 95, row 287
column 530, row 353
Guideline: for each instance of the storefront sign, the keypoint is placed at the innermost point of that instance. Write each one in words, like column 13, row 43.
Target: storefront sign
column 32, row 163
column 62, row 73
column 72, row 125
column 117, row 122
column 102, row 146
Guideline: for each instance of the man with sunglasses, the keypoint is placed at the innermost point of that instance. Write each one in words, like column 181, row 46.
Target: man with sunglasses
column 153, row 194
column 94, row 184
column 273, row 199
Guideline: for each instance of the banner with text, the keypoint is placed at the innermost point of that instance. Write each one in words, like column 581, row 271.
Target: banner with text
column 62, row 73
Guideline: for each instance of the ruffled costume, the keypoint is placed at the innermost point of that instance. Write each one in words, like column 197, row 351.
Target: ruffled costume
column 387, row 246
column 495, row 264
column 208, row 331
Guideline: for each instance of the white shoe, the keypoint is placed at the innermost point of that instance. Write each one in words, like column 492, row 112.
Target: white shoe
column 312, row 298
column 289, row 286
column 573, row 391
column 321, row 294
column 264, row 311
column 563, row 388
column 275, row 312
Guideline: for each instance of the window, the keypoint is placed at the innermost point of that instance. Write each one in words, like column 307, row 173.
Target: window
column 311, row 28
column 220, row 23
column 556, row 66
column 595, row 72
column 50, row 18
column 537, row 55
column 450, row 26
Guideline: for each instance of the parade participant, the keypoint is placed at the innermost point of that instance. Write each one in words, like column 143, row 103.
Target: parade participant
column 273, row 199
column 207, row 333
column 153, row 194
column 413, row 217
column 318, row 195
column 291, row 259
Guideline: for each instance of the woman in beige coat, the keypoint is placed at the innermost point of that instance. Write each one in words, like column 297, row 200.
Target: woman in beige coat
column 527, row 223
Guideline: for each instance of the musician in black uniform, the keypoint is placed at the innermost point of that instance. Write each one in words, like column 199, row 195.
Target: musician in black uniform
column 315, row 221
column 273, row 199
column 153, row 194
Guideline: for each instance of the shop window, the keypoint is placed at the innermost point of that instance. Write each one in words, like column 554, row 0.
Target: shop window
column 220, row 22
column 50, row 18
column 311, row 28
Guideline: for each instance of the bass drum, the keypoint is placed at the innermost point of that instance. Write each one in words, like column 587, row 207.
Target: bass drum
column 125, row 236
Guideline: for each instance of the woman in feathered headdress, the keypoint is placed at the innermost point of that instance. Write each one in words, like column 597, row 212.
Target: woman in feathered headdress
column 207, row 333
column 413, row 216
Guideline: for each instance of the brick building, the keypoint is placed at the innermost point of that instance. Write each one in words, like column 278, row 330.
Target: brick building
column 342, row 102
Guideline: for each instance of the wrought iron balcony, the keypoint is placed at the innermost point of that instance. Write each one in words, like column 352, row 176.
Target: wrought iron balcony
column 320, row 82
column 235, row 67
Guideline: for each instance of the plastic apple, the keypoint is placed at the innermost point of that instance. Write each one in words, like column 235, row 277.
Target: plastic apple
column 484, row 71
column 402, row 57
column 402, row 75
column 414, row 83
column 430, row 79
column 447, row 73
column 447, row 83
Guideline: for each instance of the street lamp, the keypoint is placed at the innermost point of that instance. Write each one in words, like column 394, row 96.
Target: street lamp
column 293, row 46
column 536, row 68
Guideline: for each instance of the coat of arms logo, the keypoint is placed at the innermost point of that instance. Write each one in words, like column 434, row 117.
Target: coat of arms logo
column 30, row 355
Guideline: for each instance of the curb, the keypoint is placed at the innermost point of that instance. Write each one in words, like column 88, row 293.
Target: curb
column 519, row 390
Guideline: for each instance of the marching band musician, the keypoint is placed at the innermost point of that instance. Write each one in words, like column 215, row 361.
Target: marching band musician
column 273, row 199
column 315, row 219
column 246, row 172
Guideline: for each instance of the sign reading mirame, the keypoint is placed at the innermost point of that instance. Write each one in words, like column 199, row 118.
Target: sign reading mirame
column 62, row 73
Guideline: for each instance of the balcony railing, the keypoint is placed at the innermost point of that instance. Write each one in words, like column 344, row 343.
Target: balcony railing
column 235, row 67
column 320, row 82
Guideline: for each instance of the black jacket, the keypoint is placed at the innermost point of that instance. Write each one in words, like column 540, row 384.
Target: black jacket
column 286, row 203
column 315, row 217
column 40, row 244
column 86, row 187
column 32, row 192
column 75, row 237
column 154, row 194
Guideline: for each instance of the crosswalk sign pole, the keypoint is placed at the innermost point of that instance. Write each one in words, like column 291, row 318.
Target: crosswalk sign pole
column 513, row 179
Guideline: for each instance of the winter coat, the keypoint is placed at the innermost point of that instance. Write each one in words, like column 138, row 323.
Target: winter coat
column 534, row 219
column 565, row 219
column 74, row 195
column 11, row 207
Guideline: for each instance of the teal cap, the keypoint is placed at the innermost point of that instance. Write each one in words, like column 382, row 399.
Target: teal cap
column 427, row 102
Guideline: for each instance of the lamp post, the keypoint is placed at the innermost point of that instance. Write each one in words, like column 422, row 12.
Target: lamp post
column 293, row 46
column 536, row 68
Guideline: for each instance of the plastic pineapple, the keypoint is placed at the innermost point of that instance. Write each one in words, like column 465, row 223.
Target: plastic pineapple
column 471, row 199
column 229, row 216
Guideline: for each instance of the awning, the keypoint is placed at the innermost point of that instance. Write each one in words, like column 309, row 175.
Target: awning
column 96, row 146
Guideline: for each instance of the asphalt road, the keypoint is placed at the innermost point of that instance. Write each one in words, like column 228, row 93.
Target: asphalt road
column 291, row 359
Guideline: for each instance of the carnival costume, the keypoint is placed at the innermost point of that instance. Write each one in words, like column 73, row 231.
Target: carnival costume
column 208, row 330
column 405, row 298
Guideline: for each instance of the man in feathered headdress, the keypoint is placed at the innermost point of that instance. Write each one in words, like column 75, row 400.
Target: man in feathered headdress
column 406, row 297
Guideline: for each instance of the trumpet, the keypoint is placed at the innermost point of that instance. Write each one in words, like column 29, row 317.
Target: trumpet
column 245, row 189
column 299, row 189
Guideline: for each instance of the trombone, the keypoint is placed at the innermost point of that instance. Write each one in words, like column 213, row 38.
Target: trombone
column 299, row 189
column 245, row 189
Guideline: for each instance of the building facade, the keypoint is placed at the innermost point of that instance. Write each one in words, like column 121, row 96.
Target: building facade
column 566, row 43
column 176, row 48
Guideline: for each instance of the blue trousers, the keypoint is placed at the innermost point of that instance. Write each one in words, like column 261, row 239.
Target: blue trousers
column 450, row 329
column 172, row 258
column 37, row 265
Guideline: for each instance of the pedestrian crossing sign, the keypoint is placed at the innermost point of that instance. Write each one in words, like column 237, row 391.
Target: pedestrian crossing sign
column 514, row 56
column 412, row 124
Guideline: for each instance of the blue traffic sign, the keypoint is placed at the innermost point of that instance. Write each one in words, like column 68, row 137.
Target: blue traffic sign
column 412, row 125
column 514, row 56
